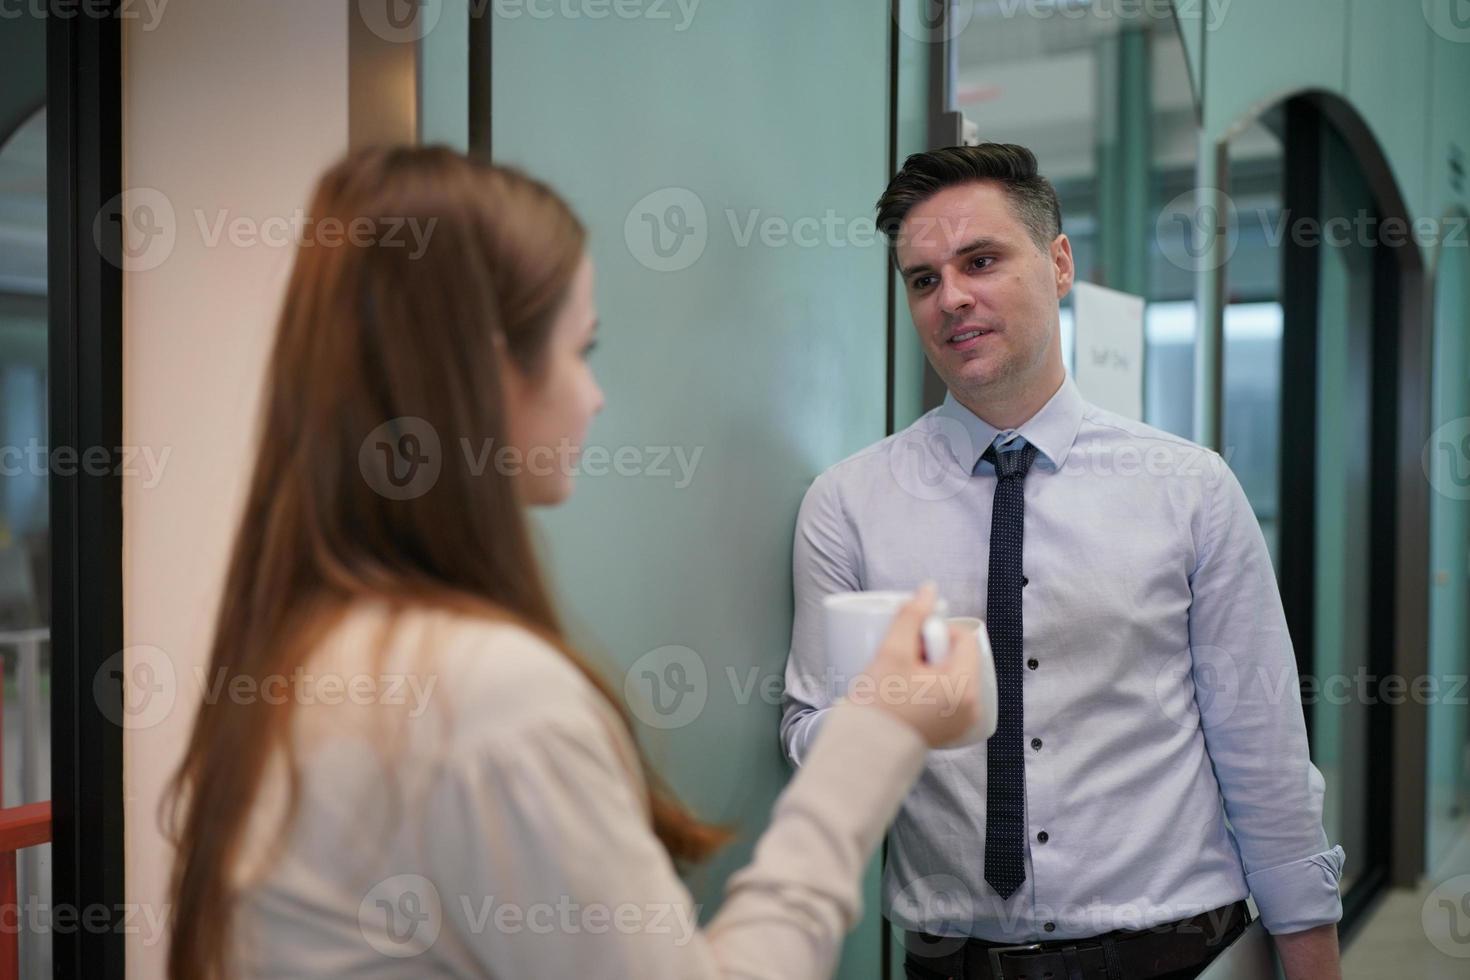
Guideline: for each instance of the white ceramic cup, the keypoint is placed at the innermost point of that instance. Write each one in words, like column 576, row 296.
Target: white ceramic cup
column 856, row 623
column 989, row 695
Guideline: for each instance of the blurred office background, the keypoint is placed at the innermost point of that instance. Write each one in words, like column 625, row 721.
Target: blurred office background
column 726, row 157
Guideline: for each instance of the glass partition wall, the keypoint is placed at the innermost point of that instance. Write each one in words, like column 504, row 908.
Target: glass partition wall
column 1447, row 465
column 1119, row 146
column 25, row 527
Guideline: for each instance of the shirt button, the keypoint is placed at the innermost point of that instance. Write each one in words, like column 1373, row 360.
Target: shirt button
column 1043, row 837
column 1025, row 581
column 1033, row 663
column 1036, row 743
column 1050, row 927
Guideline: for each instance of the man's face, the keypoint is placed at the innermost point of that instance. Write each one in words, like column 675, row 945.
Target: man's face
column 982, row 294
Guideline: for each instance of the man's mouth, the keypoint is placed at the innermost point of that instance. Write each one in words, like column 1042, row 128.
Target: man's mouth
column 965, row 339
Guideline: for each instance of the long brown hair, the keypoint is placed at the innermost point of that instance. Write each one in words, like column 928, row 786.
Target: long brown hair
column 457, row 264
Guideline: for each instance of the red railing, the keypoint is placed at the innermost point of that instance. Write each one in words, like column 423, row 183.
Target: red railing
column 20, row 827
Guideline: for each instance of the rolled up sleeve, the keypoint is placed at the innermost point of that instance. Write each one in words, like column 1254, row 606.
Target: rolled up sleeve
column 1253, row 722
column 1299, row 895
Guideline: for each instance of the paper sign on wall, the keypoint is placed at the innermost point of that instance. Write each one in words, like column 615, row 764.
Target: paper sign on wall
column 1107, row 359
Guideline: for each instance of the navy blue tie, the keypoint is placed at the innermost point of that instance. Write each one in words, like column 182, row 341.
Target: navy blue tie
column 1005, row 789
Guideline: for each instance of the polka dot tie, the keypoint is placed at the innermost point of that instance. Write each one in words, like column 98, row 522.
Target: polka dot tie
column 1005, row 791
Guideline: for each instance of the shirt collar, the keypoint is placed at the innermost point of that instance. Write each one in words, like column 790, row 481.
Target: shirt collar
column 1052, row 430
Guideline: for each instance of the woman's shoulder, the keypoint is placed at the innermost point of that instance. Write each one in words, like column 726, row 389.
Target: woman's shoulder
column 488, row 673
column 392, row 702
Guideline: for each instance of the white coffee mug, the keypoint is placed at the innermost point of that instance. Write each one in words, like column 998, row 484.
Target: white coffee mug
column 857, row 622
column 989, row 694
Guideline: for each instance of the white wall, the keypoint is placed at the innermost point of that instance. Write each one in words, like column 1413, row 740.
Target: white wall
column 226, row 106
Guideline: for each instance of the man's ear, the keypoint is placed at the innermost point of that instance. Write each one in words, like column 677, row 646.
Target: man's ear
column 1061, row 259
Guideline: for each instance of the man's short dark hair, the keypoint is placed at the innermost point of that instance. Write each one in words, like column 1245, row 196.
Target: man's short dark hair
column 1033, row 199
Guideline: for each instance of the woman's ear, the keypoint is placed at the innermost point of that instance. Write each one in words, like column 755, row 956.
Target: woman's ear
column 510, row 377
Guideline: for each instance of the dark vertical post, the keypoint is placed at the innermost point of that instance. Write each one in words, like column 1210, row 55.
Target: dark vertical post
column 1300, row 301
column 84, row 181
column 482, row 19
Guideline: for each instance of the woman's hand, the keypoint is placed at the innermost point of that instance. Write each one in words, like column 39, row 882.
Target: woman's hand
column 939, row 701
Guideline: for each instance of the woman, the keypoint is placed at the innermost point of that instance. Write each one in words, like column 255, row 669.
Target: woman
column 502, row 823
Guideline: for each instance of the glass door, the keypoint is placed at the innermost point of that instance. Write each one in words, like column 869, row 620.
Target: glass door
column 1309, row 420
column 1447, row 465
column 25, row 525
column 1337, row 532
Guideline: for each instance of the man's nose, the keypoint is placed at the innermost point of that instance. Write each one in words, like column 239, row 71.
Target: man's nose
column 953, row 297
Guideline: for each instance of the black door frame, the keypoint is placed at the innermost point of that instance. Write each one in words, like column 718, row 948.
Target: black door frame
column 84, row 181
column 1399, row 536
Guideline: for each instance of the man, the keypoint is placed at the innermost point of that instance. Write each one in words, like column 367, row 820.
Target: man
column 1147, row 685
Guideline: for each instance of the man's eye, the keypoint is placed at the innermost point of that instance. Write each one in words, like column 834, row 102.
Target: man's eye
column 981, row 258
column 923, row 282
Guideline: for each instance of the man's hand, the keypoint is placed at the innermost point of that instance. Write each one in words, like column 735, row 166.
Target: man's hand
column 1311, row 954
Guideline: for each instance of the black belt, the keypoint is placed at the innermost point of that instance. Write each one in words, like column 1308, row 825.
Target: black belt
column 1135, row 955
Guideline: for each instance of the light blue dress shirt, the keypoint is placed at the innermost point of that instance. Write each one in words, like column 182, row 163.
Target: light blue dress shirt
column 1167, row 769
